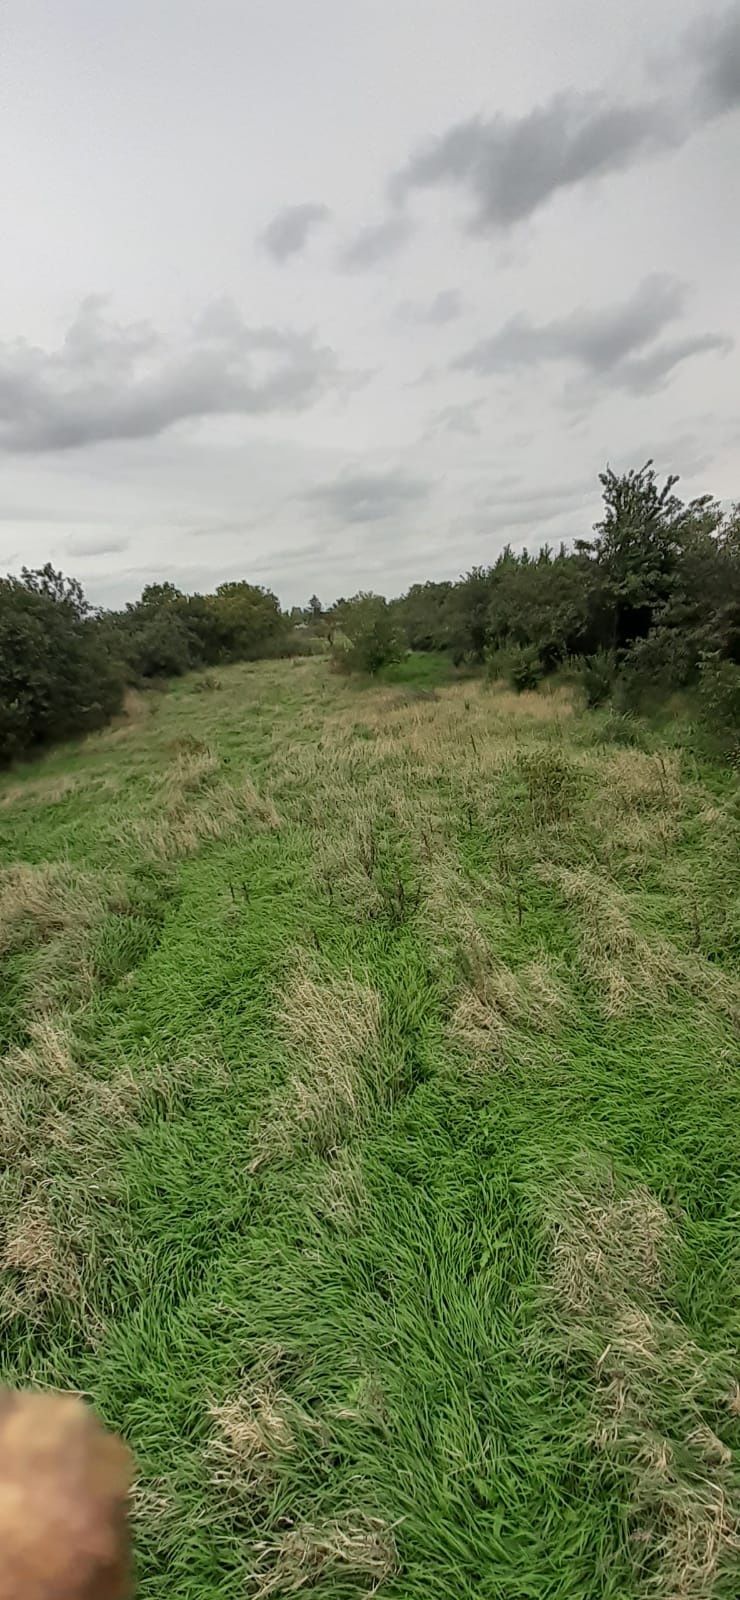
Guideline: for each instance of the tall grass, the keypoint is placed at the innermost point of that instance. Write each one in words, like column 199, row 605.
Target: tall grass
column 368, row 1136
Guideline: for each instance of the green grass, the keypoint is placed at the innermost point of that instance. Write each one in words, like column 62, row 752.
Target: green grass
column 421, row 671
column 369, row 1136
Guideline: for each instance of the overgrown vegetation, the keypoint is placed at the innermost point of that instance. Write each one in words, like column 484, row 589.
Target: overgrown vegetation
column 649, row 605
column 368, row 1132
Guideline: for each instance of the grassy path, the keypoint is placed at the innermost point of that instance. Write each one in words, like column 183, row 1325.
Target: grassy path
column 369, row 1137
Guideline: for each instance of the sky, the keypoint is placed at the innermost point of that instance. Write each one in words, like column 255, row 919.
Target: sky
column 340, row 296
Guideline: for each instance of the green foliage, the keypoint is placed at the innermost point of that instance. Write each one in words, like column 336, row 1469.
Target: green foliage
column 423, row 615
column 56, row 677
column 654, row 592
column 371, row 637
column 596, row 675
column 719, row 694
column 525, row 670
column 621, row 728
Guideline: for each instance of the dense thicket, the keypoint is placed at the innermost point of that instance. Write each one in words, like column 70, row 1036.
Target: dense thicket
column 64, row 668
column 658, row 587
column 650, row 603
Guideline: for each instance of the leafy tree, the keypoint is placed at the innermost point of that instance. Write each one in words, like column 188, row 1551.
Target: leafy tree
column 56, row 676
column 370, row 634
column 639, row 544
column 249, row 620
column 467, row 611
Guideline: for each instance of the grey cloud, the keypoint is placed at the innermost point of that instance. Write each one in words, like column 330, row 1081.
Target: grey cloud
column 608, row 344
column 446, row 306
column 108, row 381
column 104, row 545
column 368, row 496
column 512, row 165
column 375, row 243
column 715, row 44
column 457, row 419
column 573, row 493
column 288, row 232
column 643, row 374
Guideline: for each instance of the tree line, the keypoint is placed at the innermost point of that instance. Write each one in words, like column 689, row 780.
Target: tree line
column 650, row 603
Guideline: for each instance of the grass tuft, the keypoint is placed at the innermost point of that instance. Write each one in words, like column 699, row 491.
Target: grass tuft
column 355, row 1547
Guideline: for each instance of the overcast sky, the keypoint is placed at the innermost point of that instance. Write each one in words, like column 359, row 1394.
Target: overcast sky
column 349, row 293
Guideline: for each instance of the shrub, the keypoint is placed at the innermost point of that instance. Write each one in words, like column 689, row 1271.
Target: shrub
column 301, row 643
column 596, row 675
column 719, row 694
column 525, row 668
column 370, row 637
column 621, row 728
column 56, row 677
column 498, row 664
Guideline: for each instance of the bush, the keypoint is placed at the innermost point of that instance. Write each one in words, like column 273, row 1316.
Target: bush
column 56, row 676
column 159, row 647
column 302, row 643
column 621, row 728
column 525, row 668
column 498, row 664
column 369, row 638
column 719, row 695
column 596, row 675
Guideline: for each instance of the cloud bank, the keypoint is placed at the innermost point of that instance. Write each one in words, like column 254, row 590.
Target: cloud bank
column 113, row 381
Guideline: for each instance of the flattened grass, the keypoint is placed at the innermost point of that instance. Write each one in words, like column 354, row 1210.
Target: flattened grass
column 368, row 1122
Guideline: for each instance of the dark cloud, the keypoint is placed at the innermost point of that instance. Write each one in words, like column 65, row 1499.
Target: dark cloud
column 108, row 381
column 104, row 545
column 368, row 496
column 607, row 344
column 512, row 165
column 288, row 232
column 375, row 243
column 715, row 46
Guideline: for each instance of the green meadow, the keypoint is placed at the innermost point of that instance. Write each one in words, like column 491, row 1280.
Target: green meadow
column 370, row 1134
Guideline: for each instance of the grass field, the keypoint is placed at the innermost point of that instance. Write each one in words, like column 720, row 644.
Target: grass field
column 370, row 1136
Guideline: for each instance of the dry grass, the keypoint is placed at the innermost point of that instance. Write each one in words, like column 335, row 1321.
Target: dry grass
column 627, row 968
column 39, row 903
column 183, row 827
column 501, row 1001
column 50, row 912
column 331, row 1030
column 337, row 1194
column 39, row 1261
column 606, row 1245
column 631, row 970
column 190, row 770
column 610, row 1271
column 46, row 791
column 254, row 1431
column 357, row 1546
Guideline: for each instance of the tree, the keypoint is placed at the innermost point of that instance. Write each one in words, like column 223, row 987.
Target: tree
column 638, row 546
column 249, row 620
column 56, row 676
column 371, row 634
column 422, row 615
